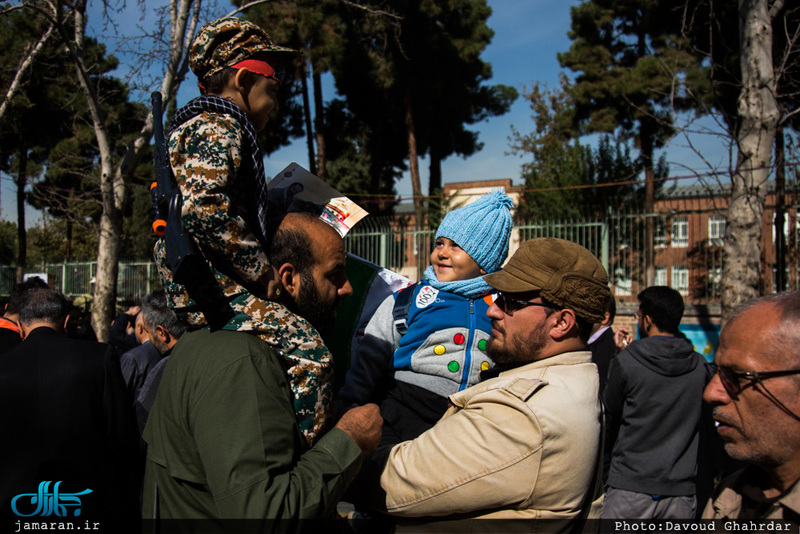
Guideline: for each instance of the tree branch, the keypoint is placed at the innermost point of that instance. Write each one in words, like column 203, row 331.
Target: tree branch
column 26, row 62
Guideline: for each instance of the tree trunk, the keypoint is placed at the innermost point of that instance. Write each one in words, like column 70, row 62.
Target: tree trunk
column 22, row 234
column 307, row 118
column 646, row 147
column 413, row 160
column 758, row 113
column 780, row 212
column 68, row 244
column 319, row 122
column 184, row 16
column 105, row 289
column 435, row 179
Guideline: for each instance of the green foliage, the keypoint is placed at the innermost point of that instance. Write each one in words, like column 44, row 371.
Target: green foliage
column 313, row 27
column 349, row 164
column 627, row 54
column 564, row 178
column 48, row 120
column 8, row 242
column 49, row 243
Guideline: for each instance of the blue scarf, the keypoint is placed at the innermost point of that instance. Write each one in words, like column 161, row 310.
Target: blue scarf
column 472, row 289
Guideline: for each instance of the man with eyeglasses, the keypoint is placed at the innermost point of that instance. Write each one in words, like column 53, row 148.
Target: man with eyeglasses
column 653, row 401
column 524, row 443
column 755, row 396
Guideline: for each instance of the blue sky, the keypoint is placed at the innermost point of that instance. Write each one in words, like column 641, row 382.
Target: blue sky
column 528, row 35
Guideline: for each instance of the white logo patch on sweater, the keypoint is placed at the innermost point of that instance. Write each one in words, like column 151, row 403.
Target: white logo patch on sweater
column 426, row 296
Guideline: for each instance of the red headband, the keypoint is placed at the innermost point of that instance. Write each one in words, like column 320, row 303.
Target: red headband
column 258, row 66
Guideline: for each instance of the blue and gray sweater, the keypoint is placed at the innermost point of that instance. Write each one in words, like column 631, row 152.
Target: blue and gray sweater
column 443, row 350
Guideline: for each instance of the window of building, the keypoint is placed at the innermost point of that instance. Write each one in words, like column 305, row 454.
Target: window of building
column 716, row 229
column 714, row 282
column 622, row 285
column 660, row 233
column 785, row 228
column 680, row 279
column 680, row 231
column 661, row 276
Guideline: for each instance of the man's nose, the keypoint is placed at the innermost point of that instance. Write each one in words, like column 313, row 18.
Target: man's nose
column 715, row 392
column 346, row 290
column 494, row 311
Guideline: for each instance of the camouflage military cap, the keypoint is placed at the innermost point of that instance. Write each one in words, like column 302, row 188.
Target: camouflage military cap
column 227, row 41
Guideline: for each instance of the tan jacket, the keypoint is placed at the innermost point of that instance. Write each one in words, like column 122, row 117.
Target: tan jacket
column 726, row 501
column 523, row 445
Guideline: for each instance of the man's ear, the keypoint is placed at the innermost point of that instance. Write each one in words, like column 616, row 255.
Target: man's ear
column 648, row 323
column 565, row 322
column 290, row 278
column 163, row 335
column 23, row 332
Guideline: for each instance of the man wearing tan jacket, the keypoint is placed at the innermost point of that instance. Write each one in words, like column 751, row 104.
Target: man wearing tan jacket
column 524, row 443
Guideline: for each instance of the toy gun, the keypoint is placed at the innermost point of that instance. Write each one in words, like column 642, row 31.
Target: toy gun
column 188, row 266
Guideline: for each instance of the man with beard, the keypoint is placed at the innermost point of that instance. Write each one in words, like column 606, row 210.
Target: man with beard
column 653, row 403
column 524, row 443
column 755, row 401
column 223, row 440
column 309, row 257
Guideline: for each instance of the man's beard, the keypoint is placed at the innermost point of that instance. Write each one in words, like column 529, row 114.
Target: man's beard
column 309, row 306
column 526, row 351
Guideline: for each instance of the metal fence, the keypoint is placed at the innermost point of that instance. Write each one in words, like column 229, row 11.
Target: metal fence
column 687, row 253
column 76, row 279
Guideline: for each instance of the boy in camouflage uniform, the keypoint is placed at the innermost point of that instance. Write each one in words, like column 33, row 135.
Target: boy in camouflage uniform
column 219, row 169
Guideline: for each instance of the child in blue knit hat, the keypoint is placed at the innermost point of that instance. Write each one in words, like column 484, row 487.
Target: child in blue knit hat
column 428, row 341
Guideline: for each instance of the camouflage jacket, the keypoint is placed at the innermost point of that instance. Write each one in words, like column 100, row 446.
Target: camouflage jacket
column 206, row 157
column 212, row 166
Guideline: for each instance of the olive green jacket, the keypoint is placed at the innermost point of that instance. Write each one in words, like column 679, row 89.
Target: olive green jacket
column 223, row 441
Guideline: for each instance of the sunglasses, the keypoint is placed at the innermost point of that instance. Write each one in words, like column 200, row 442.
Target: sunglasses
column 509, row 304
column 731, row 381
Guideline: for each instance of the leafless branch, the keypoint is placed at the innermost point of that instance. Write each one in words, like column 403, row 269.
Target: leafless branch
column 247, row 6
column 371, row 10
column 27, row 60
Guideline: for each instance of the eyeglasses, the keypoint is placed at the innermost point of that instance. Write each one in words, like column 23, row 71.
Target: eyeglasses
column 509, row 305
column 731, row 382
column 730, row 379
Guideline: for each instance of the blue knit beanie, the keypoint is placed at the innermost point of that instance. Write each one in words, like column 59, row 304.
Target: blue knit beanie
column 482, row 229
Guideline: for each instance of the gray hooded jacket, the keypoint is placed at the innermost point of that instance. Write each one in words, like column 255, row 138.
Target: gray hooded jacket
column 653, row 402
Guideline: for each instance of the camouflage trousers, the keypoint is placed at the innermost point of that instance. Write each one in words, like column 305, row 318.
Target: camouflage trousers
column 308, row 362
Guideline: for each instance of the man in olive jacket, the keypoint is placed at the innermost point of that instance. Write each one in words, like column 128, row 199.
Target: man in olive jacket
column 223, row 438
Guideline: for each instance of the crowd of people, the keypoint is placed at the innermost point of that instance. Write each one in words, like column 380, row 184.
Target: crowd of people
column 493, row 395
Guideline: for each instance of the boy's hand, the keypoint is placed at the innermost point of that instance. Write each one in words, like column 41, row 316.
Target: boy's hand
column 363, row 425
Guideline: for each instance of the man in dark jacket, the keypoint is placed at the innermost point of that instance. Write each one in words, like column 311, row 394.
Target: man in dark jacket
column 70, row 434
column 602, row 343
column 653, row 401
column 157, row 330
column 9, row 327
